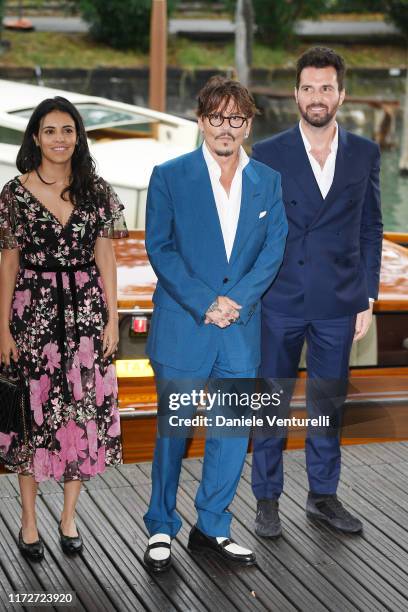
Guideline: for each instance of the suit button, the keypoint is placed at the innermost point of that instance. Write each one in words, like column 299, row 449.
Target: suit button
column 293, row 202
column 301, row 262
column 225, row 280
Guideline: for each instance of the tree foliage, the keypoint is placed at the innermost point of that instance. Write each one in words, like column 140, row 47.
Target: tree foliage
column 2, row 3
column 397, row 12
column 118, row 23
column 355, row 6
column 275, row 19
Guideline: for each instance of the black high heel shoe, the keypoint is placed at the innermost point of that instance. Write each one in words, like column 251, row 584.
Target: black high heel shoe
column 33, row 551
column 70, row 545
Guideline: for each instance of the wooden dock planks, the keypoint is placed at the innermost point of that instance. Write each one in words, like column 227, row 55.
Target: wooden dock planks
column 310, row 568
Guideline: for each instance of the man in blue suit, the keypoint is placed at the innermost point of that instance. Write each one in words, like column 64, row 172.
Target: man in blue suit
column 325, row 289
column 215, row 236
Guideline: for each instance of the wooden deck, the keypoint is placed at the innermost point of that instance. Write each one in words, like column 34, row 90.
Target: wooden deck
column 310, row 568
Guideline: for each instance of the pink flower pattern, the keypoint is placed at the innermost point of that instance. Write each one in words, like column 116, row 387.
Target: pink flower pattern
column 42, row 465
column 51, row 353
column 52, row 276
column 114, row 429
column 39, row 392
column 74, row 437
column 99, row 387
column 81, row 278
column 21, row 300
column 6, row 440
column 72, row 441
column 110, row 383
column 92, row 439
column 74, row 376
column 86, row 351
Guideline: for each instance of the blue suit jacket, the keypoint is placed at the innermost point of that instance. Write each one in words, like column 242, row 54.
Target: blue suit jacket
column 186, row 249
column 333, row 252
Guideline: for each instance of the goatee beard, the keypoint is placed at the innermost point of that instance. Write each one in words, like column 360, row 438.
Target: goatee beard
column 224, row 153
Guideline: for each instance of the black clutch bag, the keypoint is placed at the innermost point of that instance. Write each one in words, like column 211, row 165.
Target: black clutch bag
column 15, row 419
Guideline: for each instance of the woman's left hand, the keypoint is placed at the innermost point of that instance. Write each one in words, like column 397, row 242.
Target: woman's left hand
column 110, row 337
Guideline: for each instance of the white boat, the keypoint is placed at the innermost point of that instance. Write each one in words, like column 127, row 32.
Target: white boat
column 126, row 141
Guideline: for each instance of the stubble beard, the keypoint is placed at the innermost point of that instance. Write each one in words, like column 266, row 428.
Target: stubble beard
column 315, row 120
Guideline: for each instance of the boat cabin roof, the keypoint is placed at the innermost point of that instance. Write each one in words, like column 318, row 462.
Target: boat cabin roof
column 18, row 100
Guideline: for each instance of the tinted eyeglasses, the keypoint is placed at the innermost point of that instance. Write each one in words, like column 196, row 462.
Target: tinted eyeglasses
column 235, row 121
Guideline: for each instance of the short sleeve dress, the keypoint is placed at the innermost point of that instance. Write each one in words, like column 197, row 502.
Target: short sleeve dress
column 57, row 319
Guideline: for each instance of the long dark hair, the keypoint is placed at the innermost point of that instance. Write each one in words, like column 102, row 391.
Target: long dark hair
column 83, row 170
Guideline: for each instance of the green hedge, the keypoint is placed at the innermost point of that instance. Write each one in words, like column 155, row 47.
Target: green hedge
column 123, row 24
column 275, row 18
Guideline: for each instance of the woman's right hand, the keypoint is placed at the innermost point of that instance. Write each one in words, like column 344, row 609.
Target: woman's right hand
column 8, row 347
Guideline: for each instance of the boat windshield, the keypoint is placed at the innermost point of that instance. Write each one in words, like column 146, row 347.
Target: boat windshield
column 104, row 121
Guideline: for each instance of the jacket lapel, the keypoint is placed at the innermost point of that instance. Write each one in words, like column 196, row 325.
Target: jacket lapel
column 299, row 166
column 247, row 214
column 204, row 204
column 340, row 172
column 342, row 160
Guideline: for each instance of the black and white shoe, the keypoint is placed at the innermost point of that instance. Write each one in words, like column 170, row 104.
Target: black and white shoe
column 267, row 521
column 199, row 542
column 157, row 557
column 330, row 510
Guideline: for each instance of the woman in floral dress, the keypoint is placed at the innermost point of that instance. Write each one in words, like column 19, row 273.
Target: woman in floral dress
column 58, row 312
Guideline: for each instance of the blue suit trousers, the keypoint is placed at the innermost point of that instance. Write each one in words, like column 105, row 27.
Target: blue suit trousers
column 329, row 344
column 223, row 459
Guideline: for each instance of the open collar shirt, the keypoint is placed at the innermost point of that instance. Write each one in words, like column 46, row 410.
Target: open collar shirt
column 228, row 206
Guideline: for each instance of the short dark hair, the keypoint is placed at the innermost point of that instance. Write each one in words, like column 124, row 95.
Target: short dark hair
column 220, row 90
column 321, row 57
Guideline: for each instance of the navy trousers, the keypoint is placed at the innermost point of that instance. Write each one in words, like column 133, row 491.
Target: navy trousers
column 223, row 459
column 329, row 344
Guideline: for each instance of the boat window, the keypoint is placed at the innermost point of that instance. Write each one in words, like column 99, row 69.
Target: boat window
column 98, row 117
column 10, row 136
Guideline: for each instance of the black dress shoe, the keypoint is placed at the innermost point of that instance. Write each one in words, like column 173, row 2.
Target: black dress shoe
column 267, row 521
column 157, row 565
column 329, row 509
column 33, row 551
column 70, row 545
column 199, row 542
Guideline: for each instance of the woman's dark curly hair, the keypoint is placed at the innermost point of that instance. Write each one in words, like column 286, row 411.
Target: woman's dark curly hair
column 83, row 171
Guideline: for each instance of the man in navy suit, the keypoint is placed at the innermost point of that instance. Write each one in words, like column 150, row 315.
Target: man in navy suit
column 215, row 236
column 325, row 289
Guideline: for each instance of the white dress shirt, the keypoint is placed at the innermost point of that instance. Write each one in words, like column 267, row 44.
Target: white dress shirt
column 228, row 207
column 324, row 176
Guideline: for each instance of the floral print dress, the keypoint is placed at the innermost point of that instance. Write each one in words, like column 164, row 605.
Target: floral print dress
column 57, row 321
